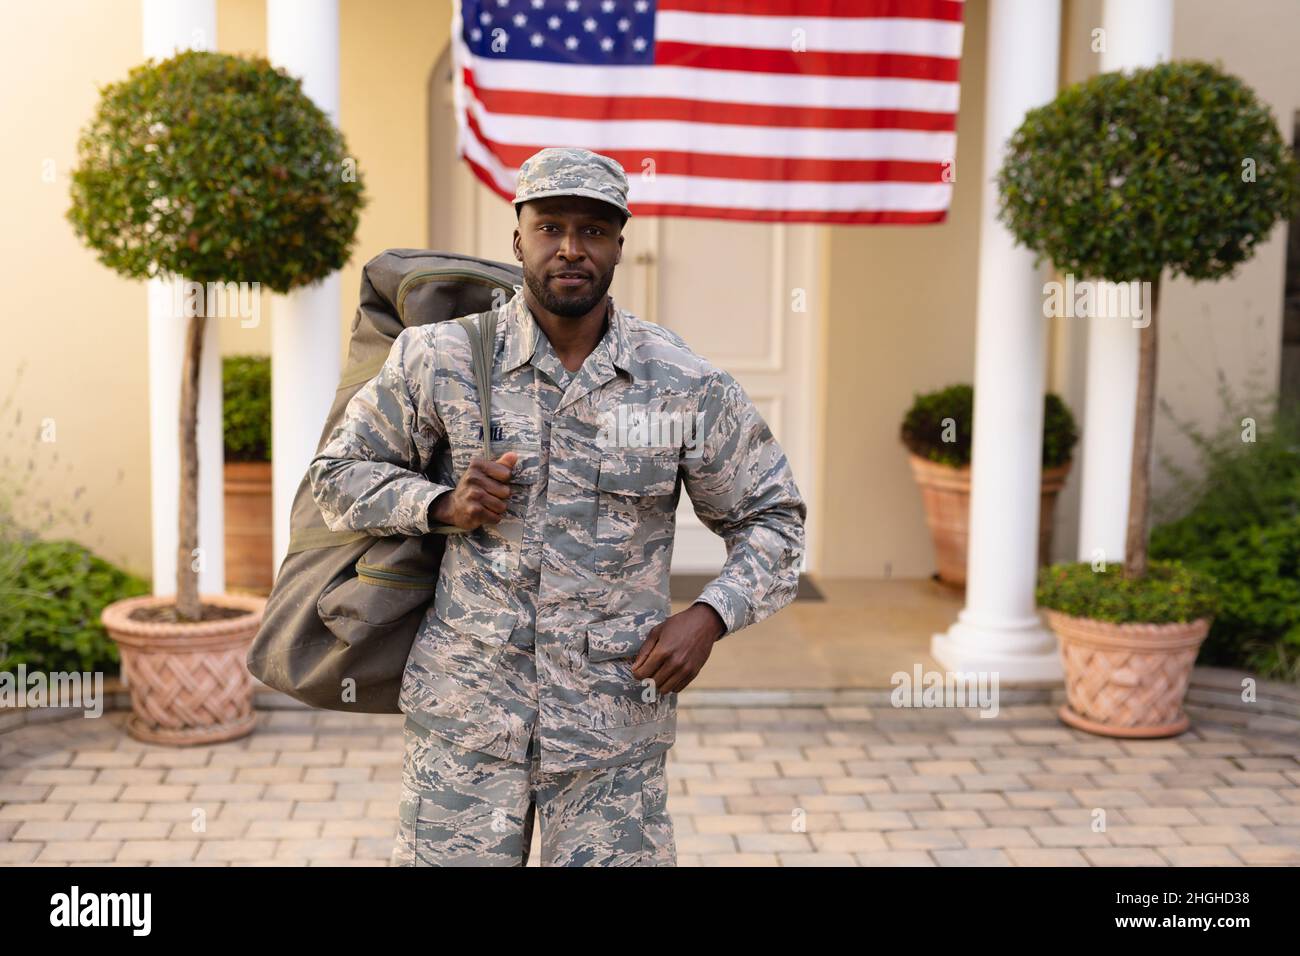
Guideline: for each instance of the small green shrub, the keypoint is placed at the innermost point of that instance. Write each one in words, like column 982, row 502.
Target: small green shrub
column 1169, row 593
column 1258, row 573
column 52, row 597
column 1243, row 527
column 246, row 407
column 1060, row 434
column 1234, row 481
column 925, row 427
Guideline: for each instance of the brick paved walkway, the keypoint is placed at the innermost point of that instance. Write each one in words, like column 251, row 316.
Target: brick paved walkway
column 836, row 784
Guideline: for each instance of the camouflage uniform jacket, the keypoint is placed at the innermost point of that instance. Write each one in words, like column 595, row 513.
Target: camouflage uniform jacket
column 536, row 620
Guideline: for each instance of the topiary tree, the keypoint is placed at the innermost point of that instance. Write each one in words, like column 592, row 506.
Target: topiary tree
column 1178, row 167
column 216, row 168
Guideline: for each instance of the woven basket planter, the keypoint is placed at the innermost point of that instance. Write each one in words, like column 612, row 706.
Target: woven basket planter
column 189, row 682
column 945, row 493
column 1126, row 680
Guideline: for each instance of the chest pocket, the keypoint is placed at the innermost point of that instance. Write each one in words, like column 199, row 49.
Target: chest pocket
column 636, row 494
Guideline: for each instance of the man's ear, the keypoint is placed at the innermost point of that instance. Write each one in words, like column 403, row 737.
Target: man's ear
column 519, row 253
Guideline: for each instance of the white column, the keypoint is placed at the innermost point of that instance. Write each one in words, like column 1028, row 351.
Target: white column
column 303, row 38
column 1135, row 33
column 999, row 630
column 170, row 26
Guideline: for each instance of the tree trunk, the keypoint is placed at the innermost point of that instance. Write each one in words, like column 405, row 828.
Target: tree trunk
column 1139, row 495
column 187, row 578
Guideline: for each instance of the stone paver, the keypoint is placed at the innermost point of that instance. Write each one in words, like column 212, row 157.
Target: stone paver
column 833, row 785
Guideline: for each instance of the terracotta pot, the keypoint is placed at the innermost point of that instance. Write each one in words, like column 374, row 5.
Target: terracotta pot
column 945, row 493
column 189, row 683
column 1126, row 680
column 248, row 525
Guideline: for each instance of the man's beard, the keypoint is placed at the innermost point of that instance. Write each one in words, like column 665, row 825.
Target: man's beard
column 569, row 306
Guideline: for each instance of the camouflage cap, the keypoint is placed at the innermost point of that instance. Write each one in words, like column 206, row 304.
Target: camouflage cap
column 572, row 171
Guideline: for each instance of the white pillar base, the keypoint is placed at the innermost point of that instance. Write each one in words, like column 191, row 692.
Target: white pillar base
column 1018, row 651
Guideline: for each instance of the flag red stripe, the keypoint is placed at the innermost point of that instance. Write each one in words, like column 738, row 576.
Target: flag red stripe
column 860, row 217
column 949, row 10
column 806, row 63
column 720, row 166
column 565, row 106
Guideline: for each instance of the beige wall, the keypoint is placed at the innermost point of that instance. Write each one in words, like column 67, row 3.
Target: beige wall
column 900, row 314
column 78, row 328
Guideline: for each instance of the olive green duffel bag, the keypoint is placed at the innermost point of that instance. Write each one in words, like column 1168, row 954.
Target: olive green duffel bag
column 345, row 607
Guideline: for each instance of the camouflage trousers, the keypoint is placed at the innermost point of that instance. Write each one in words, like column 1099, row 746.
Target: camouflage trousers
column 464, row 808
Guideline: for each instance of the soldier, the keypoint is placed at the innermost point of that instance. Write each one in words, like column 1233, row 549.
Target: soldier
column 544, row 678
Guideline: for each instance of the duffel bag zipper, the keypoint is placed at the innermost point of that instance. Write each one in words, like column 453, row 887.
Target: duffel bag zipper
column 387, row 577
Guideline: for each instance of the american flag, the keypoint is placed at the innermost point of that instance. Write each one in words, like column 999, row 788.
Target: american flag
column 833, row 111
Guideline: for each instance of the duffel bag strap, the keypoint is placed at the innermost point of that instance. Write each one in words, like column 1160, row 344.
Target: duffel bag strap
column 482, row 345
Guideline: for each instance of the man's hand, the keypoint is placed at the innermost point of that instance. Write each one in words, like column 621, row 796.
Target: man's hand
column 480, row 497
column 676, row 649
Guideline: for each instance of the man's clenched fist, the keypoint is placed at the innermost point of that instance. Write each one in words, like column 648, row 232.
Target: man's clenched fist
column 480, row 497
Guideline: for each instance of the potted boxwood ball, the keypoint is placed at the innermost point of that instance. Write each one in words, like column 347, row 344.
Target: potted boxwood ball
column 214, row 168
column 1175, row 168
column 246, row 430
column 937, row 432
column 1128, row 646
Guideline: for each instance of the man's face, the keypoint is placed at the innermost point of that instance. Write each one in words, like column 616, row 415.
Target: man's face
column 559, row 237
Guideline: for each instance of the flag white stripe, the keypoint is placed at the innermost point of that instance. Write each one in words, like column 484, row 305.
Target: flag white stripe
column 731, row 140
column 750, row 194
column 472, row 147
column 717, row 86
column 822, row 34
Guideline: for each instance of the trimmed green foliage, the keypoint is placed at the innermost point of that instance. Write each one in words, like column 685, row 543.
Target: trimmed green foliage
column 1126, row 174
column 925, row 427
column 246, row 408
column 217, row 168
column 1169, row 593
